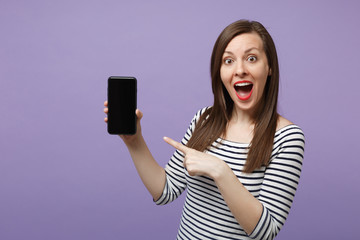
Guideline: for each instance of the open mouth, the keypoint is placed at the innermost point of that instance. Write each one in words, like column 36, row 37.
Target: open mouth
column 243, row 89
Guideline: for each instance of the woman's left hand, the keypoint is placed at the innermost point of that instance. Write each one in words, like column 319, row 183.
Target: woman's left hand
column 198, row 163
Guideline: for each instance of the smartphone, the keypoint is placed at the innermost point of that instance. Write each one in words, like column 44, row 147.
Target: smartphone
column 122, row 97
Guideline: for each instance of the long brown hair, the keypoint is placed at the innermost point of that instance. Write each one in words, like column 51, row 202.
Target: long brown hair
column 213, row 122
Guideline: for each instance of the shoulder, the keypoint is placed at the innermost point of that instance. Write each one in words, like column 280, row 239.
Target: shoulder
column 289, row 134
column 282, row 122
column 199, row 113
column 196, row 117
column 289, row 144
column 287, row 130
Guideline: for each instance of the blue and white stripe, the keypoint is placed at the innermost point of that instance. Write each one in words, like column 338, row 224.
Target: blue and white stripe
column 205, row 213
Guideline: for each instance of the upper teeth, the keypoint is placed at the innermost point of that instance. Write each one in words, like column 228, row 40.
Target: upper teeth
column 242, row 84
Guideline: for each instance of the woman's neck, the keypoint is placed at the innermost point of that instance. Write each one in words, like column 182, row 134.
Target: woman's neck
column 240, row 127
column 241, row 117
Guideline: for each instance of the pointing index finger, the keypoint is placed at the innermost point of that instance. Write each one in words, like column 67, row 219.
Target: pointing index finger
column 176, row 145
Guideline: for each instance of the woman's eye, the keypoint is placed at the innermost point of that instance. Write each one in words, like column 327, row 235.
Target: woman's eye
column 228, row 61
column 252, row 59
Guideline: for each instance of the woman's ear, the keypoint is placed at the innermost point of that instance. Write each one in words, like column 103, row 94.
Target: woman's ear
column 269, row 72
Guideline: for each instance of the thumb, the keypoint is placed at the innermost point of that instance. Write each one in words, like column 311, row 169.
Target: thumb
column 139, row 114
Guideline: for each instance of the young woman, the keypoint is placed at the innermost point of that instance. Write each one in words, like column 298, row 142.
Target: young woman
column 239, row 160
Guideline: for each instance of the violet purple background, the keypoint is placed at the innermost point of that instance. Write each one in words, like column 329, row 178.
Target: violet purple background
column 63, row 177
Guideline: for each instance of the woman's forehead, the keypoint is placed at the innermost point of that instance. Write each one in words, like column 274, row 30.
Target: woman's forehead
column 245, row 42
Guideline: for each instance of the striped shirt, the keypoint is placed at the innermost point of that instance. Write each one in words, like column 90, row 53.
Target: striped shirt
column 205, row 214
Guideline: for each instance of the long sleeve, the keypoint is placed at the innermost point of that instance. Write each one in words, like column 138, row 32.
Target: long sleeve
column 280, row 182
column 175, row 171
column 206, row 214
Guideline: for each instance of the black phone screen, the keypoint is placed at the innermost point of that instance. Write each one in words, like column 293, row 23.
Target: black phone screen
column 122, row 105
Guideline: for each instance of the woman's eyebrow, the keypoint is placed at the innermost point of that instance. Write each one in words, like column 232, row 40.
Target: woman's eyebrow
column 253, row 48
column 229, row 52
column 246, row 51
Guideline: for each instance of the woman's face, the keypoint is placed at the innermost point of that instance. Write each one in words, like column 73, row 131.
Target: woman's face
column 244, row 70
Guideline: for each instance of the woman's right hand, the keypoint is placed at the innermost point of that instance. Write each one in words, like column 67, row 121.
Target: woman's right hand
column 129, row 139
column 150, row 172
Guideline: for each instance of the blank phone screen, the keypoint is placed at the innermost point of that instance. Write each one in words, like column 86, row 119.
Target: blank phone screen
column 122, row 105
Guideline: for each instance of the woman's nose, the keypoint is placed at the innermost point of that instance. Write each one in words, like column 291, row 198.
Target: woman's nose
column 241, row 69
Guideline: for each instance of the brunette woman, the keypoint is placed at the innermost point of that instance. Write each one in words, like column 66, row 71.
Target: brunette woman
column 239, row 160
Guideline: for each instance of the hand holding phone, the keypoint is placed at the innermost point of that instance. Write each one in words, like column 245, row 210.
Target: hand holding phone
column 122, row 98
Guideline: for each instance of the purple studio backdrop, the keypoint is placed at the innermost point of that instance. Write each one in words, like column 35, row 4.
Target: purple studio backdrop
column 63, row 177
